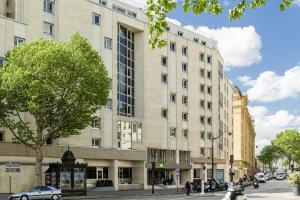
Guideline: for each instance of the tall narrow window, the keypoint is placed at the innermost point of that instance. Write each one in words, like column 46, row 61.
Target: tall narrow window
column 184, row 51
column 48, row 6
column 48, row 28
column 184, row 67
column 173, row 97
column 164, row 113
column 173, row 132
column 208, row 59
column 172, row 46
column 184, row 83
column 184, row 116
column 164, row 61
column 164, row 78
column 108, row 43
column 96, row 19
column 126, row 66
column 185, row 100
column 202, row 56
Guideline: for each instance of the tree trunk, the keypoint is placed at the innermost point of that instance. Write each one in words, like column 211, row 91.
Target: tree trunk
column 39, row 157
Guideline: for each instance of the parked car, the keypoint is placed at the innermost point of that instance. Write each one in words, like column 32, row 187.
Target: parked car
column 39, row 192
column 260, row 177
column 280, row 176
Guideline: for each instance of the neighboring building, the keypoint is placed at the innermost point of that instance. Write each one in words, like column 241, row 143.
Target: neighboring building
column 166, row 104
column 244, row 136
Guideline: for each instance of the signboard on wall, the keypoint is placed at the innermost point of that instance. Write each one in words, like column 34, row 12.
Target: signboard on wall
column 11, row 167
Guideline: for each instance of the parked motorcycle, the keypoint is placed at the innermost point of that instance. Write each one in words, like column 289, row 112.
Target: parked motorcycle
column 255, row 185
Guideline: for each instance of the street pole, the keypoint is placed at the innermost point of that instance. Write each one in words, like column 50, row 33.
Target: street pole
column 9, row 183
column 212, row 158
column 153, row 178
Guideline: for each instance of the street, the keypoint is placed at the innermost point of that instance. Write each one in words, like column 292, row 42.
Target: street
column 272, row 190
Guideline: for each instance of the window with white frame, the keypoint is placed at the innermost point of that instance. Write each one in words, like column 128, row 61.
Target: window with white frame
column 96, row 19
column 184, row 100
column 184, row 67
column 202, row 88
column 103, row 2
column 96, row 142
column 108, row 43
column 202, row 119
column 208, row 59
column 48, row 6
column 202, row 72
column 202, row 102
column 173, row 132
column 209, row 136
column 209, row 105
column 173, row 97
column 48, row 28
column 164, row 78
column 184, row 83
column 97, row 123
column 209, row 74
column 202, row 151
column 208, row 89
column 184, row 116
column 18, row 40
column 180, row 33
column 172, row 46
column 164, row 113
column 185, row 133
column 184, row 51
column 202, row 135
column 196, row 39
column 202, row 55
column 209, row 120
column 164, row 61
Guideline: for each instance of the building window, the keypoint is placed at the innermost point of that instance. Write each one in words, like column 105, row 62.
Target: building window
column 125, row 175
column 202, row 73
column 96, row 142
column 1, row 60
column 208, row 59
column 202, row 56
column 209, row 74
column 48, row 6
column 48, row 28
column 173, row 97
column 202, row 102
column 196, row 39
column 103, row 2
column 209, row 136
column 97, row 123
column 164, row 61
column 185, row 133
column 184, row 100
column 202, row 151
column 184, row 83
column 18, row 40
column 202, row 86
column 184, row 67
column 184, row 51
column 164, row 78
column 96, row 19
column 168, row 28
column 184, row 116
column 173, row 132
column 172, row 46
column 109, row 104
column 203, row 43
column 1, row 136
column 125, row 70
column 202, row 118
column 164, row 113
column 208, row 89
column 180, row 33
column 108, row 43
column 209, row 105
column 209, row 120
column 202, row 135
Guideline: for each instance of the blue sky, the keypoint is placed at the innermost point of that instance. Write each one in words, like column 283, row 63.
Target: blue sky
column 275, row 72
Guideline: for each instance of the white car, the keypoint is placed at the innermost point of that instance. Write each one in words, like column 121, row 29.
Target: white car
column 39, row 192
column 260, row 177
column 280, row 177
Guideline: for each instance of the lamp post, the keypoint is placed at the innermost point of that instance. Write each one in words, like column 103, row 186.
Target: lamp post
column 212, row 152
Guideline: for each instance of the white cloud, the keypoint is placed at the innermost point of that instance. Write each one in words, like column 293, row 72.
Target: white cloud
column 239, row 46
column 297, row 2
column 267, row 124
column 269, row 86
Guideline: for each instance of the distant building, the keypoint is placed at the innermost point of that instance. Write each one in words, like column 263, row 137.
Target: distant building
column 244, row 135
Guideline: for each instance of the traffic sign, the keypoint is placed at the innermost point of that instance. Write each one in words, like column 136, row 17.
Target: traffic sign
column 10, row 167
column 177, row 171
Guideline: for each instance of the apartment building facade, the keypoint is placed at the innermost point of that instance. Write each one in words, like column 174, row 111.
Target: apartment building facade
column 244, row 139
column 166, row 105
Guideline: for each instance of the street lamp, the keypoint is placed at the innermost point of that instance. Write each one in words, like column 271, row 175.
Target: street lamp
column 212, row 152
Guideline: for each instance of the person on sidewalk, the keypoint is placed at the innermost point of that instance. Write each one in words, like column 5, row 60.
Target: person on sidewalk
column 188, row 188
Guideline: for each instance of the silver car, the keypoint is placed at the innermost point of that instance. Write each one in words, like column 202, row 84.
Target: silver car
column 39, row 192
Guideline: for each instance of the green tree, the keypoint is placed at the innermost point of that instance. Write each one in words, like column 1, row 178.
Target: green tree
column 288, row 141
column 59, row 84
column 269, row 155
column 158, row 9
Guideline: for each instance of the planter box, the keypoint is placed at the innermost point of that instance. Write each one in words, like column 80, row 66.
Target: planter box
column 296, row 190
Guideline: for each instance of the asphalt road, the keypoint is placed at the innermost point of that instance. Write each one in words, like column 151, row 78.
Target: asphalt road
column 272, row 190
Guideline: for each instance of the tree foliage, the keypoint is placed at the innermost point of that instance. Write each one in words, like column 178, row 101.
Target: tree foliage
column 158, row 9
column 288, row 141
column 59, row 84
column 269, row 154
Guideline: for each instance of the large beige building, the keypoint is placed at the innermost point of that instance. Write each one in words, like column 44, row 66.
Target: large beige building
column 166, row 104
column 244, row 136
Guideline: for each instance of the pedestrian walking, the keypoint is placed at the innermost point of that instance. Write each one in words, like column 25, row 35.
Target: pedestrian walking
column 188, row 188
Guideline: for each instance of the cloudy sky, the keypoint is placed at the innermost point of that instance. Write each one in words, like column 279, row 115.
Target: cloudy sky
column 262, row 57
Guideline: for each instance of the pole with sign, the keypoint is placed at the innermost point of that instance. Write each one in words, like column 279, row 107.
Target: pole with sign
column 10, row 168
column 177, row 178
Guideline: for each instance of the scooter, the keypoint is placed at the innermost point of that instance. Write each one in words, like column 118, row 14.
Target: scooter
column 255, row 185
